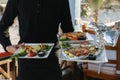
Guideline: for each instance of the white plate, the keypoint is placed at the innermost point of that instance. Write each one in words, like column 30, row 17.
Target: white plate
column 36, row 57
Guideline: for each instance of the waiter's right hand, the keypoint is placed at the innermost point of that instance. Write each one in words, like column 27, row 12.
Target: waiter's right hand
column 13, row 48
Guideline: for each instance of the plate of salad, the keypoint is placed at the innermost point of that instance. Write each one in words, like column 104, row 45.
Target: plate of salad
column 34, row 50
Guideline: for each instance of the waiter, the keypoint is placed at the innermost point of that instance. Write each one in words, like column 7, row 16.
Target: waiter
column 38, row 23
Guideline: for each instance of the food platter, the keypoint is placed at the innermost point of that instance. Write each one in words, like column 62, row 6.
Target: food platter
column 34, row 50
column 85, row 51
column 86, row 37
column 74, row 36
column 80, row 50
column 102, row 58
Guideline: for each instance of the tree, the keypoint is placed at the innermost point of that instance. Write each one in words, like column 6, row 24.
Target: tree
column 96, row 5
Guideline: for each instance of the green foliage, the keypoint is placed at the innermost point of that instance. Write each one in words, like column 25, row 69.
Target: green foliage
column 95, row 4
column 19, row 55
column 118, row 1
column 1, row 8
column 65, row 45
column 83, row 11
column 101, row 4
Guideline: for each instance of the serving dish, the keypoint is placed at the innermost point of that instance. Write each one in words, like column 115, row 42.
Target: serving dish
column 71, row 36
column 34, row 50
column 102, row 58
column 84, row 51
column 64, row 39
column 81, row 49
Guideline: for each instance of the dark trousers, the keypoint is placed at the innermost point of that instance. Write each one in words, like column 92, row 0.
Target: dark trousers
column 39, row 69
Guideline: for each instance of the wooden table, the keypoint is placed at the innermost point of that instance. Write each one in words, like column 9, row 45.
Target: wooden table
column 7, row 69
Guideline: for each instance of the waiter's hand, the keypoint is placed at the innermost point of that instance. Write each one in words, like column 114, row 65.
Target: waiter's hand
column 13, row 48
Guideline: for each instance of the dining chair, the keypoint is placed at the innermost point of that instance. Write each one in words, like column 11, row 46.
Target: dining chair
column 105, row 76
column 66, row 70
column 70, row 70
column 65, row 67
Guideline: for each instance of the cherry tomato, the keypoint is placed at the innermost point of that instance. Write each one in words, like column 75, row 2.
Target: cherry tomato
column 31, row 54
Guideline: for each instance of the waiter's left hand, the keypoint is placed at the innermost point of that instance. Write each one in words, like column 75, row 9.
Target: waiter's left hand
column 13, row 48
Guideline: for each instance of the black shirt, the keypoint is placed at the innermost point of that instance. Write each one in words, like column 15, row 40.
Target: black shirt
column 38, row 23
column 38, row 20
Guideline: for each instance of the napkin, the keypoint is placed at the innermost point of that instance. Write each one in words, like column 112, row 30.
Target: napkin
column 89, row 36
column 111, row 37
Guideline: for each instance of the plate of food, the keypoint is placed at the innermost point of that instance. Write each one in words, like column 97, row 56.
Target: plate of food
column 71, row 36
column 80, row 50
column 34, row 50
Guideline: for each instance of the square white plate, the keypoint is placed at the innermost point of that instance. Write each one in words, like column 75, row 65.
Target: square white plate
column 36, row 57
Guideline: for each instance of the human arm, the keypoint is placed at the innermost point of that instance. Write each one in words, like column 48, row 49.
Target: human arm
column 13, row 48
column 66, row 22
column 7, row 20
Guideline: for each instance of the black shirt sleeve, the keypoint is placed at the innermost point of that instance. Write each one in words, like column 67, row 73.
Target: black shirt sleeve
column 6, row 21
column 66, row 22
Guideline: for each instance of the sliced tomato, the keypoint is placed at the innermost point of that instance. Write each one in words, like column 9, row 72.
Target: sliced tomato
column 75, row 38
column 31, row 54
